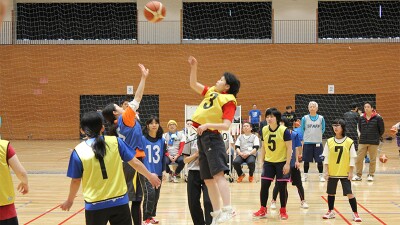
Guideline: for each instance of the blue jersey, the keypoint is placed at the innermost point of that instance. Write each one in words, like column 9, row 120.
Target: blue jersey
column 254, row 116
column 154, row 159
column 131, row 135
column 299, row 131
column 295, row 143
column 75, row 170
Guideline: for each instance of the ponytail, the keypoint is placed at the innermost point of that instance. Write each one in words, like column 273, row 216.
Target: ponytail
column 99, row 147
column 91, row 124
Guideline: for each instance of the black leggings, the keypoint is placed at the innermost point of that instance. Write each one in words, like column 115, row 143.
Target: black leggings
column 265, row 184
column 136, row 213
column 300, row 190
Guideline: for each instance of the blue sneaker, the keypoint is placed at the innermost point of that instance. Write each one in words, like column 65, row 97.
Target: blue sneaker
column 367, row 160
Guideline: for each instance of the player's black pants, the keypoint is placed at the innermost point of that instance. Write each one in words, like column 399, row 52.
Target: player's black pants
column 118, row 215
column 11, row 221
column 151, row 196
column 195, row 185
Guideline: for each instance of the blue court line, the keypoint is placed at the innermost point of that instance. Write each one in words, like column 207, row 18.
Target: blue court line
column 23, row 205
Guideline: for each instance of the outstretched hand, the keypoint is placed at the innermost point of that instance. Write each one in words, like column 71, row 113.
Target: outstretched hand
column 192, row 61
column 145, row 72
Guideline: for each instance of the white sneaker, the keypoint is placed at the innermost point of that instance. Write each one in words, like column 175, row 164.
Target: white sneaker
column 215, row 216
column 370, row 178
column 321, row 178
column 226, row 214
column 304, row 204
column 356, row 178
column 175, row 179
column 304, row 177
column 273, row 205
column 329, row 215
column 356, row 217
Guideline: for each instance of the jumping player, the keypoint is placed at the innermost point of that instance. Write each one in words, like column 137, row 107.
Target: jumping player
column 125, row 125
column 215, row 113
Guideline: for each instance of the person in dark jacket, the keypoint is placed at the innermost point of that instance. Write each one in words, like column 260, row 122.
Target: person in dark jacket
column 371, row 127
column 351, row 118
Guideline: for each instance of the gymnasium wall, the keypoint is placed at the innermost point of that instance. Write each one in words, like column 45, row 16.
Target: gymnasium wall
column 270, row 74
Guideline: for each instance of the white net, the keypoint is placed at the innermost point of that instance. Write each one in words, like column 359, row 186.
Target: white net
column 42, row 86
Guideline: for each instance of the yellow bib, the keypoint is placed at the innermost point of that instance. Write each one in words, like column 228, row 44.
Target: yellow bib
column 339, row 157
column 99, row 185
column 7, row 195
column 275, row 146
column 210, row 109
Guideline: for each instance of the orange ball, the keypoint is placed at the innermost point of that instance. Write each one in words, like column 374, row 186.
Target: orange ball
column 154, row 11
column 383, row 158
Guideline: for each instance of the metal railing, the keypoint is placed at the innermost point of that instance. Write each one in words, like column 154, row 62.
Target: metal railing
column 170, row 32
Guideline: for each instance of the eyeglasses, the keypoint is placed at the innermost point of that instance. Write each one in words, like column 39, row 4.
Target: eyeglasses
column 336, row 125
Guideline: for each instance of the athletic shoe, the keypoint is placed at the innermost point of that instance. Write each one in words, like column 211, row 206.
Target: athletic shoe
column 283, row 214
column 304, row 177
column 370, row 177
column 329, row 215
column 321, row 178
column 154, row 220
column 147, row 222
column 367, row 160
column 304, row 204
column 356, row 218
column 356, row 178
column 251, row 179
column 240, row 178
column 273, row 205
column 175, row 179
column 215, row 216
column 226, row 214
column 261, row 213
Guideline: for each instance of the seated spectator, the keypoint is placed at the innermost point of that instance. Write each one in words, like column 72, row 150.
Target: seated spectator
column 175, row 141
column 246, row 147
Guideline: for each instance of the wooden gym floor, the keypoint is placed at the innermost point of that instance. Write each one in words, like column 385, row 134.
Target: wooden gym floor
column 47, row 162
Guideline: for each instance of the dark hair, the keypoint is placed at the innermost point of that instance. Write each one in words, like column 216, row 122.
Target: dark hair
column 247, row 123
column 285, row 121
column 233, row 82
column 369, row 103
column 160, row 130
column 126, row 100
column 108, row 114
column 342, row 124
column 189, row 120
column 275, row 112
column 289, row 107
column 354, row 105
column 91, row 124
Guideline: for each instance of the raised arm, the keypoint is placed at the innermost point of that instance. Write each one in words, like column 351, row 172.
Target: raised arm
column 196, row 86
column 140, row 88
